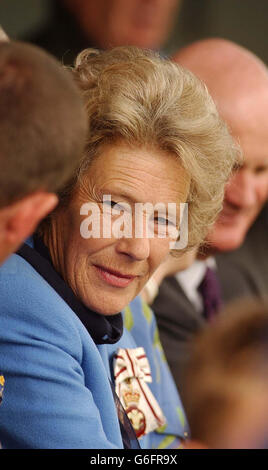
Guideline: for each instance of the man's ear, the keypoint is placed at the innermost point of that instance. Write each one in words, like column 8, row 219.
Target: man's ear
column 19, row 220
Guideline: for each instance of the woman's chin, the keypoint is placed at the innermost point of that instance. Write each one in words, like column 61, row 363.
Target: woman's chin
column 109, row 305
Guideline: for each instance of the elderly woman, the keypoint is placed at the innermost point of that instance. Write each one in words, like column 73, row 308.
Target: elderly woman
column 154, row 138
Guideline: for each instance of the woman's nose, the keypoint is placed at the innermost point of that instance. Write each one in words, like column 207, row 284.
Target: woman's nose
column 136, row 248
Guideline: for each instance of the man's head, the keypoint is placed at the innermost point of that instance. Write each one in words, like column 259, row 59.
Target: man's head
column 238, row 82
column 42, row 134
column 113, row 23
column 225, row 392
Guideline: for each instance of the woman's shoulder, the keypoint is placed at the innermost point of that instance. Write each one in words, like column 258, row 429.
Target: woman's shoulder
column 21, row 283
column 17, row 276
column 29, row 303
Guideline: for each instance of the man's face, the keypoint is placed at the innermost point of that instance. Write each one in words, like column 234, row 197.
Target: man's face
column 106, row 273
column 139, row 23
column 247, row 190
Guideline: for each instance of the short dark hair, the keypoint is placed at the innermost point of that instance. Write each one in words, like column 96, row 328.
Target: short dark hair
column 43, row 123
column 234, row 348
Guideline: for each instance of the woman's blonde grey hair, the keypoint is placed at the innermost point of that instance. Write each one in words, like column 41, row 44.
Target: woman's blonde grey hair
column 143, row 99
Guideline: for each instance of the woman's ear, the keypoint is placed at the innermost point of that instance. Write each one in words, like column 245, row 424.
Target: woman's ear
column 19, row 220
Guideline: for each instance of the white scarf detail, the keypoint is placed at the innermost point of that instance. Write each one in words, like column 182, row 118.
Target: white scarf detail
column 131, row 372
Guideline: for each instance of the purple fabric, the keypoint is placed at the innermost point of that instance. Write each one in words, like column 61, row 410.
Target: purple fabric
column 211, row 294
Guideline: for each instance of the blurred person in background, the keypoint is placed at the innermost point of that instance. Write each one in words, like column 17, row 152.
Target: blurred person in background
column 42, row 135
column 78, row 24
column 226, row 380
column 234, row 261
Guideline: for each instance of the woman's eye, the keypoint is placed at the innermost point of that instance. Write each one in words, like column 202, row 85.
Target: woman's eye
column 161, row 221
column 112, row 205
column 164, row 221
column 165, row 227
column 109, row 203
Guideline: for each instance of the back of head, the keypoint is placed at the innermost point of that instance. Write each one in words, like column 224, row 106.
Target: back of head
column 226, row 380
column 233, row 74
column 42, row 122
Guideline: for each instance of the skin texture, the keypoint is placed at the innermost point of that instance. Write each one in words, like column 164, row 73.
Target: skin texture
column 130, row 175
column 20, row 219
column 238, row 82
column 143, row 23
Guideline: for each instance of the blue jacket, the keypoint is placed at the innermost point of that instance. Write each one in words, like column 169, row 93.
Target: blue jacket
column 57, row 392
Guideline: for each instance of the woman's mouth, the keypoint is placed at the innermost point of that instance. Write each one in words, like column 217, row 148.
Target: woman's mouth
column 114, row 278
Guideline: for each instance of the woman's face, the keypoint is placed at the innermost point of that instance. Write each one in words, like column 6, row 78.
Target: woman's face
column 107, row 270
